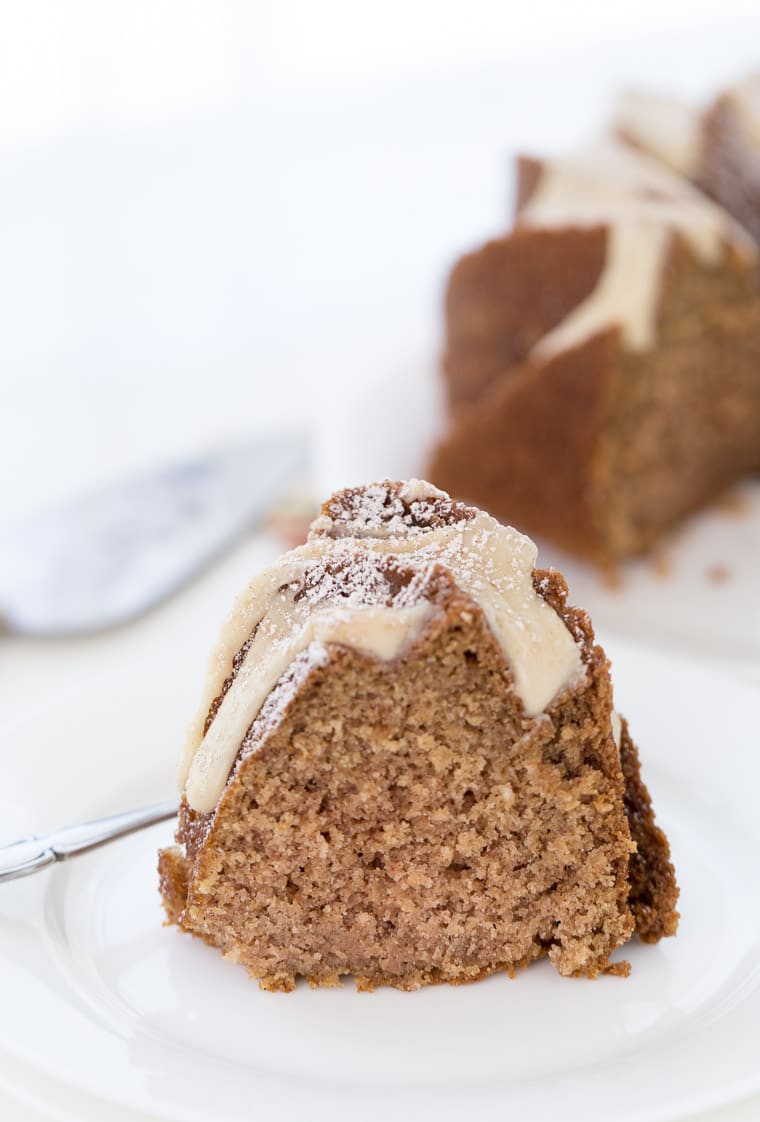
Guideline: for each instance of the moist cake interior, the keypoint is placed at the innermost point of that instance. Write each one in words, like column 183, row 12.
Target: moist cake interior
column 406, row 821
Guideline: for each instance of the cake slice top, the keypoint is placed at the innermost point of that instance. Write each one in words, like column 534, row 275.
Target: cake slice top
column 387, row 510
column 609, row 182
column 673, row 131
column 644, row 206
column 744, row 100
column 666, row 127
column 366, row 578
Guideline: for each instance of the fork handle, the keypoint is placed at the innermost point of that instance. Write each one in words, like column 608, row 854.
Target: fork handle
column 21, row 858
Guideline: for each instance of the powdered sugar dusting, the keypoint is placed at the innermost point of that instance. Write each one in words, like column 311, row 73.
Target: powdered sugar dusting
column 387, row 510
column 364, row 579
column 284, row 693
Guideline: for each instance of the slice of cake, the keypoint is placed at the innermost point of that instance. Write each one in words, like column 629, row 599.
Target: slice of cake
column 603, row 360
column 407, row 766
column 718, row 149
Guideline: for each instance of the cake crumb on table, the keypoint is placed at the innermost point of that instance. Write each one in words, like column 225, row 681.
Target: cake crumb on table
column 718, row 573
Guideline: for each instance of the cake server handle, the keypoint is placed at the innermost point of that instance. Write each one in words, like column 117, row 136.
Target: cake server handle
column 21, row 858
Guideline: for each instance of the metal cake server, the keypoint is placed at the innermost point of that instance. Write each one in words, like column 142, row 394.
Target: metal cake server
column 102, row 560
column 21, row 858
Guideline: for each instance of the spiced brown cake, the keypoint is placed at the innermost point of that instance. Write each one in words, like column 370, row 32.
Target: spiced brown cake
column 407, row 766
column 717, row 148
column 602, row 361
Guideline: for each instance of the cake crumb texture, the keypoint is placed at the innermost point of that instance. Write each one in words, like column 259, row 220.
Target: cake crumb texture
column 403, row 822
column 599, row 441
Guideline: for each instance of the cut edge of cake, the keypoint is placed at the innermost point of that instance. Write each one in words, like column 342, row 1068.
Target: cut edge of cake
column 362, row 826
column 575, row 360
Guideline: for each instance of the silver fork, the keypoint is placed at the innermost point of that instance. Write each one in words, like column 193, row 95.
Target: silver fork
column 21, row 858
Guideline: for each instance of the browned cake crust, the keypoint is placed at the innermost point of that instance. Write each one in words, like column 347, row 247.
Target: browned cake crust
column 502, row 300
column 527, row 451
column 729, row 168
column 600, row 449
column 349, row 513
column 720, row 157
column 406, row 824
column 653, row 889
column 529, row 171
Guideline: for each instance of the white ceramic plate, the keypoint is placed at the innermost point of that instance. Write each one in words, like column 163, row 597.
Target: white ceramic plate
column 108, row 1003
